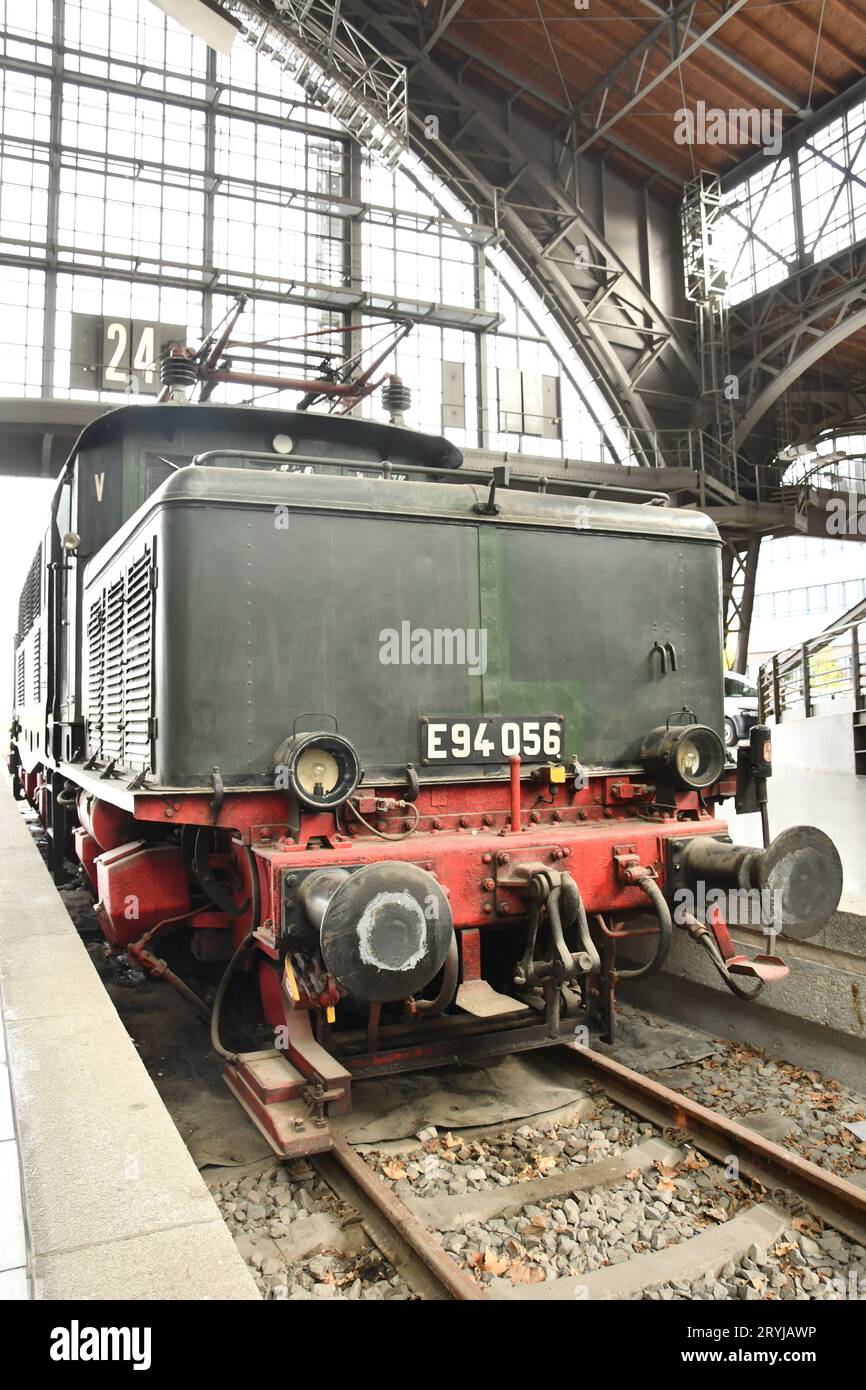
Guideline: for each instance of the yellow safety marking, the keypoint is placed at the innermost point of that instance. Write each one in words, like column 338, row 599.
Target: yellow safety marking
column 291, row 982
column 557, row 774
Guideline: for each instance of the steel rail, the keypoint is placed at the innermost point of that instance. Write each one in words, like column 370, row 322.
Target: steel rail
column 840, row 1203
column 412, row 1249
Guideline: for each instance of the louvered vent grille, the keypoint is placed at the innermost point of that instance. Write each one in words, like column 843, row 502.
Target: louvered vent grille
column 30, row 602
column 137, row 671
column 120, row 668
column 37, row 664
column 95, row 673
column 112, row 681
column 19, row 682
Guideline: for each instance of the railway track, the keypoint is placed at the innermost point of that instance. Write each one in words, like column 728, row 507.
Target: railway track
column 410, row 1233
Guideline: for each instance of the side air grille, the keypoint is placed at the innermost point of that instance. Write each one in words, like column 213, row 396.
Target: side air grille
column 112, row 680
column 138, row 668
column 19, row 682
column 37, row 664
column 30, row 602
column 95, row 673
column 120, row 668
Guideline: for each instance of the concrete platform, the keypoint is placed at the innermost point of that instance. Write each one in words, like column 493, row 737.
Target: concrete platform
column 113, row 1204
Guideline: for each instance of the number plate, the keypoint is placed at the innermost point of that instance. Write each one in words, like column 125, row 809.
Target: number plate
column 491, row 740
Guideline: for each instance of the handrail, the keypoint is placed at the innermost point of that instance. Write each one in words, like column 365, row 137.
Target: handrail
column 825, row 669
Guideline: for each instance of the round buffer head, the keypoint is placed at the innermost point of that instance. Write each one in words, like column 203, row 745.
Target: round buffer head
column 802, row 872
column 386, row 932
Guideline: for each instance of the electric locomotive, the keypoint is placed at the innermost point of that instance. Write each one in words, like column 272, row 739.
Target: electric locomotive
column 417, row 749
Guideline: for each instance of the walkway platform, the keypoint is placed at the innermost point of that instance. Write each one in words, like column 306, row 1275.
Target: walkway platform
column 99, row 1197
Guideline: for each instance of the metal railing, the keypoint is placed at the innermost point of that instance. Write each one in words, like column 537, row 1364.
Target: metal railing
column 826, row 671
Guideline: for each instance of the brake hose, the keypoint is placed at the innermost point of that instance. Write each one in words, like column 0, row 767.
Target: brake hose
column 704, row 937
column 242, row 950
column 431, row 1008
column 643, row 879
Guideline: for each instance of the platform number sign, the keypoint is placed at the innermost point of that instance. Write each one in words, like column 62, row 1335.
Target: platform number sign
column 112, row 353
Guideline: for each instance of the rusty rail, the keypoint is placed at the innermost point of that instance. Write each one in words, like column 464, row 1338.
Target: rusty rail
column 840, row 1203
column 414, row 1251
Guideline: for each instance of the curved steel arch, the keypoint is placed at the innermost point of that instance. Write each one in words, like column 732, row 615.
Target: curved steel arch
column 793, row 325
column 604, row 311
column 795, row 368
column 613, row 324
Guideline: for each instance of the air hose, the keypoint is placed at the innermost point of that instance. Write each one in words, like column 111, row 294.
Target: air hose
column 643, row 879
column 242, row 951
column 704, row 937
column 431, row 1008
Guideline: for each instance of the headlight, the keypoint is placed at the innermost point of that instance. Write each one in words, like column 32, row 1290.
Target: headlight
column 319, row 769
column 691, row 754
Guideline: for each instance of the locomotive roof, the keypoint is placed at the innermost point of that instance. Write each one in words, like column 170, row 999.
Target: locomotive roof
column 446, row 502
column 311, row 432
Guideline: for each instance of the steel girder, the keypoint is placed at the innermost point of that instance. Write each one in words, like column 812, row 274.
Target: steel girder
column 566, row 128
column 448, row 11
column 792, row 326
column 598, row 302
column 824, row 406
column 673, row 41
column 761, row 80
column 739, row 571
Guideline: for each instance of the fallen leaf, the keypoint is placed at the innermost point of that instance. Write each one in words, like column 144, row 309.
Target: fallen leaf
column 493, row 1263
column 520, row 1273
column 395, row 1171
column 664, row 1168
column 544, row 1161
column 696, row 1161
column 716, row 1213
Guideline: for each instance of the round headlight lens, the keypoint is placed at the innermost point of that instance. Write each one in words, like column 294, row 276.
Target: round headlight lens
column 689, row 758
column 320, row 769
column 689, row 755
column 698, row 757
column 318, row 772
